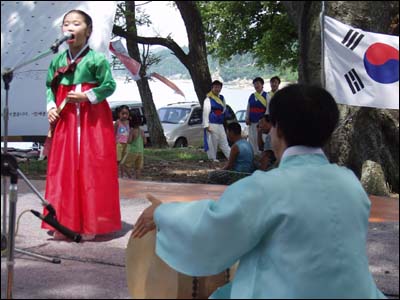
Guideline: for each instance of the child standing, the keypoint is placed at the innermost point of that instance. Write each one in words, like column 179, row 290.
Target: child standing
column 134, row 158
column 121, row 129
column 82, row 176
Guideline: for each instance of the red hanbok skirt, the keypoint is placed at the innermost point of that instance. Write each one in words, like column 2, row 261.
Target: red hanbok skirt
column 82, row 175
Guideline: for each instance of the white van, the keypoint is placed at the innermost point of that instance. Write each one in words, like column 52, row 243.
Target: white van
column 183, row 123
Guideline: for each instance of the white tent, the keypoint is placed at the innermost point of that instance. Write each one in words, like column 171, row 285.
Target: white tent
column 28, row 29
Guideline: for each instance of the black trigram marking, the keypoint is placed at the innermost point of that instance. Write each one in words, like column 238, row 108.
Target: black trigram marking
column 354, row 81
column 352, row 39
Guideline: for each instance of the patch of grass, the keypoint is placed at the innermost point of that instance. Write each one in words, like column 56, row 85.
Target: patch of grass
column 33, row 167
column 173, row 154
column 37, row 168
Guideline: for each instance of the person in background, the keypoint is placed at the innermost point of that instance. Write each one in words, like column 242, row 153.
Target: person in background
column 82, row 176
column 214, row 113
column 274, row 83
column 134, row 158
column 242, row 155
column 298, row 231
column 122, row 129
column 267, row 158
column 241, row 158
column 257, row 106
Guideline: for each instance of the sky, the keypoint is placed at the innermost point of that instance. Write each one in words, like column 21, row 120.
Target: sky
column 37, row 24
column 166, row 20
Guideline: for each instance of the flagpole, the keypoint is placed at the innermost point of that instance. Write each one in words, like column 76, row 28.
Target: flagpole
column 322, row 25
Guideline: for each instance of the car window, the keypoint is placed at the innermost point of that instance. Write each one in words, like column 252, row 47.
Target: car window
column 173, row 115
column 197, row 117
column 241, row 115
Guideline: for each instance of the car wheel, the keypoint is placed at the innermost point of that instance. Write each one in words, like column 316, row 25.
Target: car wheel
column 181, row 143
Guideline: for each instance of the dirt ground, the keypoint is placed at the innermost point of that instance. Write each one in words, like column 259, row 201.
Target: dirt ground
column 179, row 171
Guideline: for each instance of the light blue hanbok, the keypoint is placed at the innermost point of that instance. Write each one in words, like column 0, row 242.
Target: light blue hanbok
column 299, row 231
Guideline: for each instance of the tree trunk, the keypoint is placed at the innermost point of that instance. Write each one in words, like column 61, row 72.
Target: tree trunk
column 197, row 56
column 196, row 60
column 154, row 126
column 363, row 133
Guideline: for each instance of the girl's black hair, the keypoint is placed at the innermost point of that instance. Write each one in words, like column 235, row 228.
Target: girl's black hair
column 135, row 120
column 88, row 19
column 123, row 107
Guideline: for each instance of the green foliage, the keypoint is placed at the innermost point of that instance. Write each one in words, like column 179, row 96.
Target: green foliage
column 246, row 39
column 261, row 28
column 33, row 168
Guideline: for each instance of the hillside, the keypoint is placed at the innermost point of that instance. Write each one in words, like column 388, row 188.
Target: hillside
column 239, row 67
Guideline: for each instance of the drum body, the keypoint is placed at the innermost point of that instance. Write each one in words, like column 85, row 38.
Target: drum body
column 149, row 277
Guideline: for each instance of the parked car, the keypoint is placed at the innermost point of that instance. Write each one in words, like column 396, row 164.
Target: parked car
column 183, row 123
column 135, row 108
column 241, row 118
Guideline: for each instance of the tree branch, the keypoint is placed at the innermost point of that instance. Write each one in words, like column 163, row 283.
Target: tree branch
column 166, row 42
column 193, row 23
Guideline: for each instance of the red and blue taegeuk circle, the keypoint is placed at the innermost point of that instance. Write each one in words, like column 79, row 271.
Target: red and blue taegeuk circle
column 381, row 62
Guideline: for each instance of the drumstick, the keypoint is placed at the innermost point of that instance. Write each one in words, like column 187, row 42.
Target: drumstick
column 59, row 109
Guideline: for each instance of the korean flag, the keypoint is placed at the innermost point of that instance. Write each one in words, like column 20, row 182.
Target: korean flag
column 361, row 68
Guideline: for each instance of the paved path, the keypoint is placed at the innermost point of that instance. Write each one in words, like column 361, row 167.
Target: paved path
column 96, row 269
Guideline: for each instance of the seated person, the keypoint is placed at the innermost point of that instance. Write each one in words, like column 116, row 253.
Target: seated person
column 299, row 230
column 242, row 155
column 241, row 159
column 267, row 158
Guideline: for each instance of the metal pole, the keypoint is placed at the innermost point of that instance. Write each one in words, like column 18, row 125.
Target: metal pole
column 11, row 239
column 33, row 188
column 7, row 77
column 322, row 23
column 5, row 150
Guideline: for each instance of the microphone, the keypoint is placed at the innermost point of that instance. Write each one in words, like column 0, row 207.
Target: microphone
column 58, row 42
column 50, row 208
column 52, row 221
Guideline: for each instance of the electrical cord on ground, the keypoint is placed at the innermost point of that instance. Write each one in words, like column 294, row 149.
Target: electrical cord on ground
column 82, row 260
column 17, row 228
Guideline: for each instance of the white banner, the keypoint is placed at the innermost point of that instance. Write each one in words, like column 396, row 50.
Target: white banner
column 361, row 68
column 29, row 28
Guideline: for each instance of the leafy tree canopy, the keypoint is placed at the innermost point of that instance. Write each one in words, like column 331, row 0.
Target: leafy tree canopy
column 261, row 28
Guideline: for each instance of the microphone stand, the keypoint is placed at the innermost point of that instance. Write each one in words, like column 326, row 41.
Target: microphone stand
column 11, row 169
column 7, row 78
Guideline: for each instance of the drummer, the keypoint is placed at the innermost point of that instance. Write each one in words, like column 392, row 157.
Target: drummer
column 299, row 231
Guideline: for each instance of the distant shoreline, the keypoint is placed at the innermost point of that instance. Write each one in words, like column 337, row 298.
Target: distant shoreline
column 236, row 83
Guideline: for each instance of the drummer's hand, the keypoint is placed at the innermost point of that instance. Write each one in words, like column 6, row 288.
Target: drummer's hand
column 145, row 223
column 77, row 97
column 52, row 115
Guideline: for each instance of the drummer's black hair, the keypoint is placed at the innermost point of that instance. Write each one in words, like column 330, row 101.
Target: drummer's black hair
column 306, row 115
